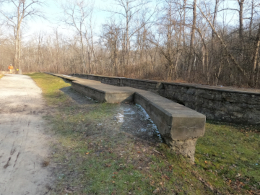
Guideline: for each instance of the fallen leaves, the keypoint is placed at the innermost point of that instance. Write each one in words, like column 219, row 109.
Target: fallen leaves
column 166, row 177
column 205, row 183
column 156, row 191
column 107, row 165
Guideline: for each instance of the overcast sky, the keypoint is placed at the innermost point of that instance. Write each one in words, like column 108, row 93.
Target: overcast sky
column 53, row 13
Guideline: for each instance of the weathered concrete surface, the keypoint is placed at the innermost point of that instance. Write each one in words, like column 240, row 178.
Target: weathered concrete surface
column 178, row 125
column 66, row 77
column 23, row 141
column 216, row 102
column 98, row 91
column 103, row 92
column 185, row 122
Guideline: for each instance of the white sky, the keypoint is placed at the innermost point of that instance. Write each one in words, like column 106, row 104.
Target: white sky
column 53, row 14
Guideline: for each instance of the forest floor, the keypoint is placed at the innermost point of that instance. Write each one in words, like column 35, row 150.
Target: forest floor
column 24, row 147
column 116, row 149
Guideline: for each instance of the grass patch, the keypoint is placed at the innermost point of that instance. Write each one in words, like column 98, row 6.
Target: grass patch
column 231, row 151
column 91, row 158
column 51, row 88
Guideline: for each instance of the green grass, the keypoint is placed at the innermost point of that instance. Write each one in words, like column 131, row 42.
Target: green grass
column 94, row 159
column 231, row 151
column 51, row 88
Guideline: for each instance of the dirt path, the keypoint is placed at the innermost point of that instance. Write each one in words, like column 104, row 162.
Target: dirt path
column 23, row 143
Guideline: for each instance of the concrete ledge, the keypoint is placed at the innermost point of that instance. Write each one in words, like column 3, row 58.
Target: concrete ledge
column 103, row 92
column 180, row 127
column 183, row 121
column 100, row 92
column 66, row 77
column 229, row 104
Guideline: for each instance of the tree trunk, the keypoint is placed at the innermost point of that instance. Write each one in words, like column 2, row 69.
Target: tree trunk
column 241, row 19
column 127, row 33
column 255, row 58
column 251, row 19
column 230, row 56
column 241, row 27
column 169, row 42
column 184, row 22
column 192, row 38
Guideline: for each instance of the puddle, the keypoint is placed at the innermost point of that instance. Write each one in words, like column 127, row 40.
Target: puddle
column 120, row 118
column 143, row 112
column 151, row 125
column 66, row 75
column 143, row 129
column 135, row 119
column 129, row 111
column 88, row 98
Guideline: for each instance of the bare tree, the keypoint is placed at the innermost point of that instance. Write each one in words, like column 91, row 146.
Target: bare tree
column 184, row 21
column 251, row 17
column 193, row 29
column 229, row 54
column 111, row 38
column 23, row 9
column 77, row 15
column 241, row 19
column 184, row 40
column 255, row 72
column 128, row 10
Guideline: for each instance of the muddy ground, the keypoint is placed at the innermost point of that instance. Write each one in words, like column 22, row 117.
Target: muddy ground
column 127, row 117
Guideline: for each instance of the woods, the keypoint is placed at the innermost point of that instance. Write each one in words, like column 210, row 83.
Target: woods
column 208, row 42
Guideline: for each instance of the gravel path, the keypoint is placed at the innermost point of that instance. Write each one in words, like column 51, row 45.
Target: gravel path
column 23, row 142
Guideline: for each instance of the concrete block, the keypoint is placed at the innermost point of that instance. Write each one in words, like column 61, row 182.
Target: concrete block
column 179, row 126
column 102, row 92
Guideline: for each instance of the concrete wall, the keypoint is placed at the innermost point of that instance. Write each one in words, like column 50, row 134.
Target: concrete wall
column 89, row 92
column 217, row 103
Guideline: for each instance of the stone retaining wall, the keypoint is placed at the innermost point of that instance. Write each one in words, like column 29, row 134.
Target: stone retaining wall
column 217, row 103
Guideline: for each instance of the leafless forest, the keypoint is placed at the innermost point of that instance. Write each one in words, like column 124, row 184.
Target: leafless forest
column 212, row 42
